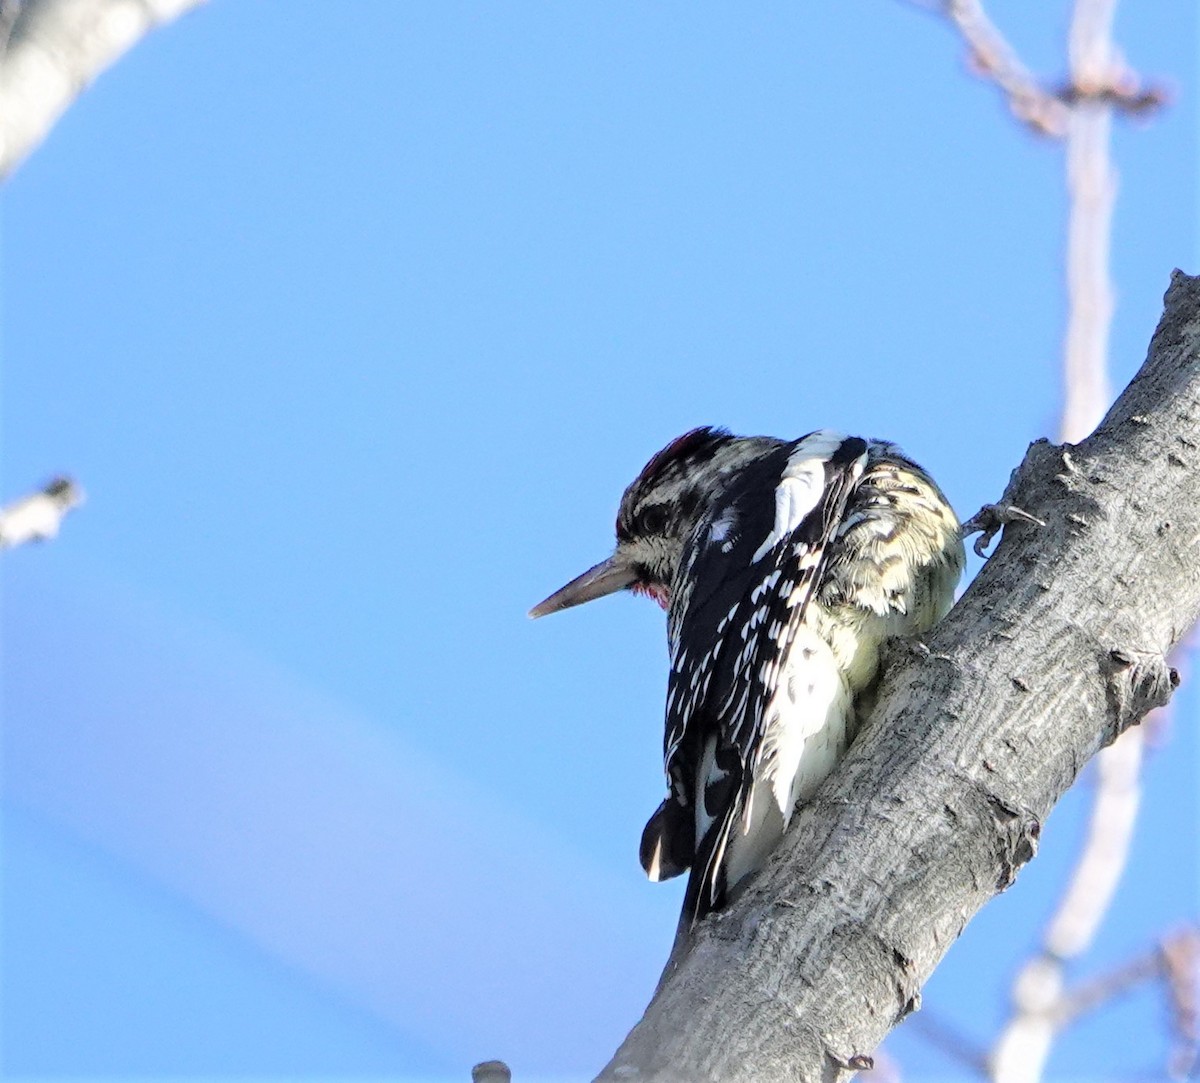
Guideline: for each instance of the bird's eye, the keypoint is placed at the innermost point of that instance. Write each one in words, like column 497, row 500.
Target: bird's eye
column 652, row 519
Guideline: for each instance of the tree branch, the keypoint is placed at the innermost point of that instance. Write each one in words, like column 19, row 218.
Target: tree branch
column 1092, row 191
column 994, row 59
column 1180, row 953
column 38, row 516
column 1058, row 646
column 50, row 50
column 1043, row 109
column 1024, row 1044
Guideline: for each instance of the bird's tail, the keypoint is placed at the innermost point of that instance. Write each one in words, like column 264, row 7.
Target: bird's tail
column 667, row 849
column 707, row 884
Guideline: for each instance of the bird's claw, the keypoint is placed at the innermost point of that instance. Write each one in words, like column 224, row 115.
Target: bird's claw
column 988, row 520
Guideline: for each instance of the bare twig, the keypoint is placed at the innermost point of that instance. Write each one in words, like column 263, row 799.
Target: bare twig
column 1176, row 961
column 993, row 58
column 38, row 516
column 1087, row 996
column 1180, row 953
column 1043, row 108
column 945, row 1037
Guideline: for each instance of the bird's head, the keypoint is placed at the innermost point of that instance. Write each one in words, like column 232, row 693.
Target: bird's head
column 657, row 514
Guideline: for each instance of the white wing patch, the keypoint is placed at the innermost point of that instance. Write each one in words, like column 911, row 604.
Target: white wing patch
column 707, row 774
column 812, row 720
column 801, row 487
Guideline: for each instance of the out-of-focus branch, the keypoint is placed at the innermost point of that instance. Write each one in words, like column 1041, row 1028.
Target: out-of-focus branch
column 1175, row 962
column 1087, row 996
column 1180, row 954
column 993, row 58
column 1092, row 191
column 1095, row 66
column 38, row 516
column 491, row 1071
column 53, row 49
column 1042, row 108
column 947, row 1039
column 1105, row 852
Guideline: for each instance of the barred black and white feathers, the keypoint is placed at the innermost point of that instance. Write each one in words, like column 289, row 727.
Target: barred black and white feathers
column 783, row 566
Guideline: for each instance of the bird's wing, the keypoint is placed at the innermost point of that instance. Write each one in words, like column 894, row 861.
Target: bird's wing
column 716, row 572
column 732, row 640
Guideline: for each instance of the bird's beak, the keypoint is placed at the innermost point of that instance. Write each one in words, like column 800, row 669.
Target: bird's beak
column 607, row 577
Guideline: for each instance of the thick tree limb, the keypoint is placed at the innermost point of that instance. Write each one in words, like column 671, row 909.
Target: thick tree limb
column 50, row 50
column 1058, row 646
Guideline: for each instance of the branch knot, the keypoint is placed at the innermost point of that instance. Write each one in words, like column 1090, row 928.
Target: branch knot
column 1136, row 683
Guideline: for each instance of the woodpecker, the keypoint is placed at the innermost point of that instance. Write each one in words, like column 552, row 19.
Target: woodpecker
column 783, row 566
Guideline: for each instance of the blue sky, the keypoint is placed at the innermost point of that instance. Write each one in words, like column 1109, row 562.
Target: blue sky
column 354, row 330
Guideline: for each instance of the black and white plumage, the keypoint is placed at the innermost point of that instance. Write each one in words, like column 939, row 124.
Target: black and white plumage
column 783, row 566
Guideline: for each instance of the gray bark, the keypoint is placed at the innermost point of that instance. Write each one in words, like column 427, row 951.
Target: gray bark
column 1058, row 645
